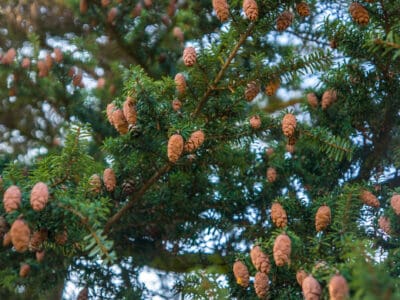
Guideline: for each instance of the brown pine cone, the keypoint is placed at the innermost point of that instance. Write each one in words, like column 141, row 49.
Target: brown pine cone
column 24, row 270
column 105, row 3
column 128, row 187
column 290, row 148
column 39, row 196
column 12, row 198
column 260, row 260
column 189, row 56
column 252, row 90
column 369, row 199
column 395, row 203
column 311, row 288
column 20, row 235
column 58, row 55
column 37, row 239
column 40, row 256
column 112, row 15
column 175, row 147
column 255, row 122
column 42, row 67
column 282, row 250
column 221, row 8
column 269, row 151
column 83, row 6
column 119, row 121
column 26, row 63
column 272, row 87
column 359, row 13
column 322, row 218
column 312, row 100
column 61, row 237
column 9, row 57
column 328, row 98
column 178, row 34
column 95, row 184
column 129, row 111
column 101, row 82
column 176, row 105
column 180, row 82
column 303, row 9
column 195, row 140
column 338, row 288
column 4, row 227
column 110, row 109
column 271, row 174
column 83, row 294
column 384, row 224
column 49, row 61
column 7, row 239
column 241, row 274
column 278, row 215
column 289, row 125
column 284, row 20
column 261, row 285
column 300, row 276
column 250, row 9
column 109, row 179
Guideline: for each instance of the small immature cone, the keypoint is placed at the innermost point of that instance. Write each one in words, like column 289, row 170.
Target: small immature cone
column 284, row 20
column 176, row 105
column 12, row 198
column 300, row 276
column 250, row 9
column 24, row 270
column 37, row 239
column 77, row 79
column 26, row 62
column 49, row 61
column 252, row 90
column 241, row 274
column 312, row 100
column 180, row 83
column 359, row 13
column 9, row 56
column 328, row 98
column 101, row 82
column 272, row 87
column 58, row 55
column 110, row 109
column 7, row 239
column 369, row 199
column 255, row 122
column 178, row 34
column 278, row 215
column 42, row 67
column 83, row 294
column 175, row 147
column 95, row 184
column 395, row 203
column 112, row 15
column 303, row 9
column 311, row 288
column 61, row 237
column 338, row 288
column 4, row 227
column 261, row 285
column 289, row 125
column 384, row 224
column 269, row 151
column 282, row 250
column 83, row 6
column 119, row 121
column 39, row 196
column 195, row 140
column 221, row 8
column 260, row 260
column 189, row 56
column 271, row 174
column 129, row 111
column 322, row 218
column 20, row 235
column 40, row 256
column 109, row 179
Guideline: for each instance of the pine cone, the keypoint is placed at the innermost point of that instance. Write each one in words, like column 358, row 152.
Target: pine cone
column 260, row 260
column 180, row 82
column 9, row 57
column 290, row 148
column 83, row 294
column 241, row 274
column 338, row 288
column 129, row 111
column 322, row 218
column 303, row 9
column 384, row 224
column 261, row 285
column 37, row 239
column 58, row 55
column 109, row 179
column 178, row 34
column 369, row 199
column 105, row 3
column 312, row 100
column 20, row 235
column 26, row 63
column 195, row 140
column 112, row 15
column 24, row 270
column 7, row 239
column 278, row 215
column 189, row 56
column 61, row 237
column 328, row 98
column 128, row 187
column 333, row 43
column 300, row 276
column 119, row 121
column 250, row 9
column 271, row 174
column 282, row 249
column 395, row 203
column 284, row 20
column 176, row 105
column 110, row 109
column 4, row 227
column 255, row 122
column 39, row 196
column 359, row 13
column 175, row 147
column 252, row 90
column 221, row 8
column 95, row 184
column 49, row 61
column 269, row 151
column 40, row 255
column 311, row 288
column 42, row 67
column 101, row 82
column 289, row 125
column 272, row 87
column 83, row 6
column 12, row 198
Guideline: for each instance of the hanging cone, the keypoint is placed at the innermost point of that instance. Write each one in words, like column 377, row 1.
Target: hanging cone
column 284, row 21
column 300, row 276
column 119, row 121
column 338, row 288
column 180, row 82
column 189, row 56
column 250, row 9
column 289, row 125
column 252, row 90
column 9, row 57
column 26, row 63
column 83, row 294
column 178, row 34
column 261, row 284
column 20, row 235
column 39, row 196
column 58, row 55
column 260, row 260
column 272, row 87
column 110, row 109
column 109, row 179
column 359, row 13
column 369, row 199
column 95, row 184
column 195, row 140
column 271, row 174
column 12, row 198
column 221, row 8
column 384, row 224
column 176, row 105
column 175, row 147
column 49, row 61
column 328, row 98
column 128, row 187
column 311, row 288
column 322, row 218
column 129, row 111
column 395, row 203
column 24, row 270
column 303, row 9
column 312, row 100
column 112, row 15
column 282, row 250
column 278, row 215
column 241, row 274
column 255, row 122
column 40, row 256
column 83, row 6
